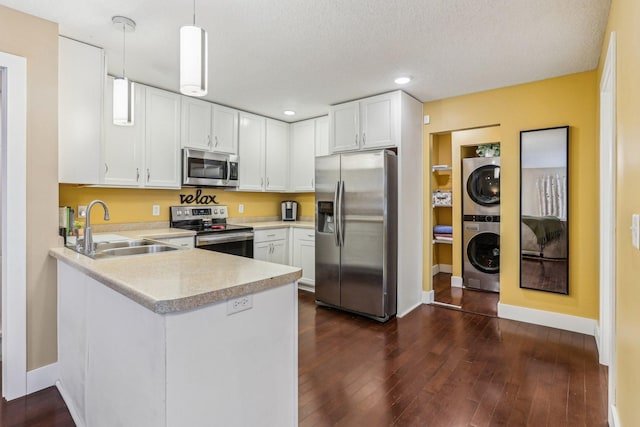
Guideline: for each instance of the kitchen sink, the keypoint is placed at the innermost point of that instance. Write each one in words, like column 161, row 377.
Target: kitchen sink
column 134, row 250
column 99, row 247
column 106, row 250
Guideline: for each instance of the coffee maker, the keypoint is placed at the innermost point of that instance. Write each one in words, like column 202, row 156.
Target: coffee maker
column 289, row 210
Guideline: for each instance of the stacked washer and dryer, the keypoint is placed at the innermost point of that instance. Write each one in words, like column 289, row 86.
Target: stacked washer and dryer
column 481, row 223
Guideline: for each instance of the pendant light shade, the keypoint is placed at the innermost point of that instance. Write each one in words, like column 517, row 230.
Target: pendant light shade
column 123, row 102
column 193, row 61
column 123, row 99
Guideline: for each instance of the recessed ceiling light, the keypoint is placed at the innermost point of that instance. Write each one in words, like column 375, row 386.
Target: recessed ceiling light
column 403, row 80
column 289, row 113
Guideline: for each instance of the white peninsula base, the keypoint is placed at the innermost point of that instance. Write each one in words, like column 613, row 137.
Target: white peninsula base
column 122, row 364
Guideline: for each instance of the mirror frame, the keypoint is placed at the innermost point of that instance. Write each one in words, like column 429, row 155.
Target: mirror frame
column 563, row 140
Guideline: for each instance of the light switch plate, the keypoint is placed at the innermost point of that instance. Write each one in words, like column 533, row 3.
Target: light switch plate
column 156, row 210
column 635, row 231
column 240, row 208
column 82, row 211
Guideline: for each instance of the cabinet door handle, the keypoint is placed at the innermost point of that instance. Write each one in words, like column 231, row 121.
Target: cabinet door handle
column 267, row 182
column 271, row 235
column 311, row 235
column 364, row 138
column 261, row 182
column 216, row 141
column 356, row 139
column 137, row 174
column 148, row 175
column 106, row 168
column 209, row 141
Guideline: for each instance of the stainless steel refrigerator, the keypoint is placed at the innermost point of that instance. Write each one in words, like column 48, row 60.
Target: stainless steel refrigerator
column 356, row 232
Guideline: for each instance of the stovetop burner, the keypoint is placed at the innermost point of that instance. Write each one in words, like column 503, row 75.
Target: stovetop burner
column 203, row 220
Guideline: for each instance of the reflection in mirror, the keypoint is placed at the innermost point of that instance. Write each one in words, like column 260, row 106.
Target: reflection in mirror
column 544, row 227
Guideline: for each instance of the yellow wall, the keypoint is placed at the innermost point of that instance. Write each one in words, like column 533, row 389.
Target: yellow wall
column 568, row 100
column 135, row 205
column 37, row 41
column 623, row 19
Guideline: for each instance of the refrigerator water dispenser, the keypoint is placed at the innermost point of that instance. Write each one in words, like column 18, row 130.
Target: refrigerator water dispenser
column 326, row 222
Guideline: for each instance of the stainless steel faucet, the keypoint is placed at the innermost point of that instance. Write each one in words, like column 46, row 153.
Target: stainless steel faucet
column 88, row 235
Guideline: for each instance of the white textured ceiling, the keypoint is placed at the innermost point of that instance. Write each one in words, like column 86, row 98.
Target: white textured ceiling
column 266, row 56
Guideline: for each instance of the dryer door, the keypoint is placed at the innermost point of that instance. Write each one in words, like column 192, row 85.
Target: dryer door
column 483, row 252
column 483, row 185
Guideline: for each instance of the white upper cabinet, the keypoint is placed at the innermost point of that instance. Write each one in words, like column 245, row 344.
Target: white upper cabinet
column 208, row 127
column 379, row 121
column 344, row 128
column 277, row 156
column 322, row 136
column 225, row 130
column 162, row 139
column 123, row 146
column 251, row 141
column 303, row 155
column 81, row 74
column 365, row 124
column 196, row 124
column 263, row 154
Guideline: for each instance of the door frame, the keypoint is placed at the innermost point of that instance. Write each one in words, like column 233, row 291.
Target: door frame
column 608, row 173
column 13, row 138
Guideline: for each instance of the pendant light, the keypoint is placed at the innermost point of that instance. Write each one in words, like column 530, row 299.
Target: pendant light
column 193, row 59
column 123, row 91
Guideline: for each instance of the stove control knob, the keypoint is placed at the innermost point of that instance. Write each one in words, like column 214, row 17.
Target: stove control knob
column 221, row 211
column 215, row 211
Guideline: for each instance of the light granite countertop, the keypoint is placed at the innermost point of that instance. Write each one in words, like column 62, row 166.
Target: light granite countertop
column 180, row 280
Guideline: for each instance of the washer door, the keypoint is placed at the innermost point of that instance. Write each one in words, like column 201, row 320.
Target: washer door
column 483, row 185
column 483, row 252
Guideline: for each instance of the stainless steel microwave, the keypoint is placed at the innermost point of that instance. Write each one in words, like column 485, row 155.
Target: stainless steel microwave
column 206, row 169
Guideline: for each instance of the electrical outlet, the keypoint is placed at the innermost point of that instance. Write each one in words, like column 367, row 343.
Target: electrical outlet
column 156, row 210
column 240, row 208
column 82, row 211
column 239, row 304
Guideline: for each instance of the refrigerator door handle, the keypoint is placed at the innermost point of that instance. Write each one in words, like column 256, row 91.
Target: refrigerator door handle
column 339, row 220
column 336, row 224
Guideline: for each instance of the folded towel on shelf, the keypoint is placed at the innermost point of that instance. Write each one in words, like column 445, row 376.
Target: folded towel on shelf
column 442, row 235
column 443, row 229
column 443, row 238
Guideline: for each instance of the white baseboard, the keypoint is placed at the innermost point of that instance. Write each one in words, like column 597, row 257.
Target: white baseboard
column 427, row 297
column 548, row 318
column 72, row 409
column 456, row 281
column 41, row 378
column 597, row 338
column 306, row 287
column 614, row 418
column 404, row 313
column 441, row 268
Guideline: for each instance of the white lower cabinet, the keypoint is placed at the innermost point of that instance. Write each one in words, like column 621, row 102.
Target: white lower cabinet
column 304, row 254
column 271, row 245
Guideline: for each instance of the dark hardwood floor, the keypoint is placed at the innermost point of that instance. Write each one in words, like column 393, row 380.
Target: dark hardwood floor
column 434, row 367
column 441, row 367
column 42, row 409
column 468, row 300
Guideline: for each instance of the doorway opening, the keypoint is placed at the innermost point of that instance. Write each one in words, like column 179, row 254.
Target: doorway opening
column 449, row 240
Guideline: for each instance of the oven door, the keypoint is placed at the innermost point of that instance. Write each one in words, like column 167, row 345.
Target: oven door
column 229, row 243
column 203, row 168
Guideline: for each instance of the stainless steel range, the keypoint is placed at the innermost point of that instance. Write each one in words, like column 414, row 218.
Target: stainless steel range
column 212, row 231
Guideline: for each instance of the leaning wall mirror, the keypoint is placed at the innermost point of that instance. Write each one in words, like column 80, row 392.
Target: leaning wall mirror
column 544, row 210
